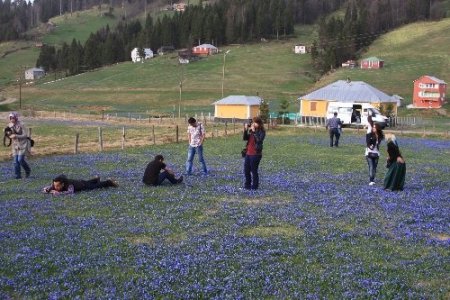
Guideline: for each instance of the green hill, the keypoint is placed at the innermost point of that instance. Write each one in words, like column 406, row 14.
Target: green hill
column 408, row 52
column 17, row 56
column 269, row 69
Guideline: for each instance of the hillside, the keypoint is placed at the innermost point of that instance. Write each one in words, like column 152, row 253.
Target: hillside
column 267, row 68
column 409, row 52
column 17, row 56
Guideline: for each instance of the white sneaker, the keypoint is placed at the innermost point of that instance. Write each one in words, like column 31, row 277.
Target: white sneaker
column 371, row 183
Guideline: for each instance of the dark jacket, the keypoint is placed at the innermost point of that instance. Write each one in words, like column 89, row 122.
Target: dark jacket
column 152, row 171
column 259, row 138
column 371, row 141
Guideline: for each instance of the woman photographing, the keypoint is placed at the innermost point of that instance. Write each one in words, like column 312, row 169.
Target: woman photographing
column 254, row 134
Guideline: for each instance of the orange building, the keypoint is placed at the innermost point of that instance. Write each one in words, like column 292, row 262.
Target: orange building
column 205, row 50
column 429, row 92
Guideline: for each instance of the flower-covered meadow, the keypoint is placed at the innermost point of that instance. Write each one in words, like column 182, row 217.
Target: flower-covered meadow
column 315, row 229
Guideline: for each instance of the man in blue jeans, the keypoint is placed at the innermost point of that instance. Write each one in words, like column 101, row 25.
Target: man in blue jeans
column 196, row 135
column 154, row 176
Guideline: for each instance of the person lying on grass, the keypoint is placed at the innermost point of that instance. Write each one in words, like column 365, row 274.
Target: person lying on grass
column 64, row 186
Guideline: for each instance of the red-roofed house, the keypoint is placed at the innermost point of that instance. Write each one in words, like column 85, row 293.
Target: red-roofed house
column 429, row 92
column 205, row 49
column 372, row 63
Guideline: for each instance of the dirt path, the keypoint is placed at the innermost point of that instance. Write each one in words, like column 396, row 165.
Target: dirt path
column 8, row 101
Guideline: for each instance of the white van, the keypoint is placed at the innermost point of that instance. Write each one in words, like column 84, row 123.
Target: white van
column 356, row 113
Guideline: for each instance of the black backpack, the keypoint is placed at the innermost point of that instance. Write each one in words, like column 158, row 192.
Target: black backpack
column 31, row 141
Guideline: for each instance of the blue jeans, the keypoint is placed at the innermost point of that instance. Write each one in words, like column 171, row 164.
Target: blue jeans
column 166, row 175
column 190, row 159
column 251, row 165
column 19, row 160
column 372, row 163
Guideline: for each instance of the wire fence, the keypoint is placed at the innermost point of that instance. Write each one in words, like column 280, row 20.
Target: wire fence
column 64, row 132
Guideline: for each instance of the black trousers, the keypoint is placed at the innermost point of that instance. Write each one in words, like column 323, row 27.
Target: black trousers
column 334, row 134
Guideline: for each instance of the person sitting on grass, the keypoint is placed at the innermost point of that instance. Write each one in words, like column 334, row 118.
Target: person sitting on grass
column 154, row 176
column 394, row 179
column 64, row 186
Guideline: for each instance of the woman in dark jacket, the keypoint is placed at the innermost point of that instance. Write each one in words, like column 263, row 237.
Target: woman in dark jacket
column 373, row 140
column 254, row 134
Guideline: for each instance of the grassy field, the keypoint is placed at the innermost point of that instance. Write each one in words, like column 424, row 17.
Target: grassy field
column 154, row 85
column 78, row 26
column 15, row 58
column 314, row 230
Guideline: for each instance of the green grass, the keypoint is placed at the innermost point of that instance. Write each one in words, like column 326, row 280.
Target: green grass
column 15, row 58
column 269, row 69
column 78, row 26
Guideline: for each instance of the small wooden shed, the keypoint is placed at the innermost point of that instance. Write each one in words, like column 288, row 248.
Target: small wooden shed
column 238, row 107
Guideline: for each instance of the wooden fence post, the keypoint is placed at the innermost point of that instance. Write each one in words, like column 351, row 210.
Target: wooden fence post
column 177, row 133
column 153, row 135
column 77, row 137
column 100, row 139
column 226, row 126
column 123, row 137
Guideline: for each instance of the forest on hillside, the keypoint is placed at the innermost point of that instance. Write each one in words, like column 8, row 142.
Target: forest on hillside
column 218, row 22
column 17, row 17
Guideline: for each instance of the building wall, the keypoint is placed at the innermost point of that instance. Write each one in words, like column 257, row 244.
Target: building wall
column 254, row 111
column 231, row 111
column 384, row 106
column 428, row 97
column 313, row 108
column 367, row 64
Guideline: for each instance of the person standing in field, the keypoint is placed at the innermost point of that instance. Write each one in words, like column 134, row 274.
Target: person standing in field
column 19, row 145
column 334, row 125
column 373, row 140
column 254, row 134
column 394, row 179
column 196, row 135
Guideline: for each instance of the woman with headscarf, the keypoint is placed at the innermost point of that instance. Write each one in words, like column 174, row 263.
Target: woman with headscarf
column 20, row 145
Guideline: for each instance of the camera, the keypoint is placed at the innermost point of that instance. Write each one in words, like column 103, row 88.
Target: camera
column 7, row 132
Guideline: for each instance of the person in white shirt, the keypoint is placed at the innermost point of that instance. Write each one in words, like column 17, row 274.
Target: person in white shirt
column 196, row 135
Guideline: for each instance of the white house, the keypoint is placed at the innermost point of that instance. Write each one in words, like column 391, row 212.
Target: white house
column 135, row 57
column 34, row 73
column 300, row 49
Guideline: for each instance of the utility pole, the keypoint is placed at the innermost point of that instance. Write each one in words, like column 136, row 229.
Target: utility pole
column 20, row 91
column 181, row 90
column 223, row 68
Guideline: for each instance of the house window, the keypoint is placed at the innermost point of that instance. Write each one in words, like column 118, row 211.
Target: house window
column 313, row 106
column 427, row 85
column 426, row 94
